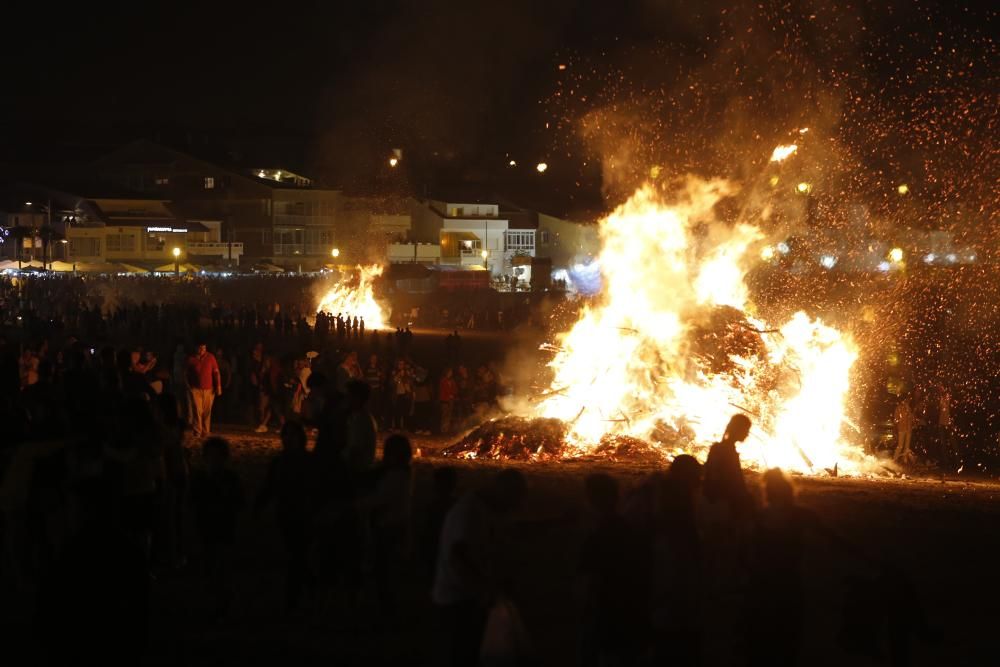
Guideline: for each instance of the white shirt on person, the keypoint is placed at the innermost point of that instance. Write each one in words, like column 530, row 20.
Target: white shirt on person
column 469, row 522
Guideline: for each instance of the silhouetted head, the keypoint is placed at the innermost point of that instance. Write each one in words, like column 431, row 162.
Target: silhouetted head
column 358, row 393
column 505, row 491
column 444, row 482
column 685, row 471
column 602, row 493
column 778, row 490
column 166, row 404
column 215, row 452
column 293, row 437
column 316, row 381
column 396, row 451
column 738, row 428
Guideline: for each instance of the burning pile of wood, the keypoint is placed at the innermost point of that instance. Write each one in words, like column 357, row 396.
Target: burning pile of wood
column 514, row 439
column 520, row 439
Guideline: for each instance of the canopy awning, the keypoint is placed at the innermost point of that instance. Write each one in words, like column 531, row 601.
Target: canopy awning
column 183, row 267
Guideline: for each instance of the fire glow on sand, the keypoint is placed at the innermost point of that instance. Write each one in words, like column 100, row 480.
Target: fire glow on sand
column 356, row 298
column 669, row 351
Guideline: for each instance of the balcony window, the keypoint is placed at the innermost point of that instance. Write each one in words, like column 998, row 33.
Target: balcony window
column 520, row 240
column 85, row 247
column 209, row 183
column 120, row 242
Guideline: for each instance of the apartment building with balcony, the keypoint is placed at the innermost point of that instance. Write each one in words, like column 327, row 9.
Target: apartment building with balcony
column 276, row 215
column 477, row 231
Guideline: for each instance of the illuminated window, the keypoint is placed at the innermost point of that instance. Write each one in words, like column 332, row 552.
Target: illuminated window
column 120, row 242
column 85, row 247
column 209, row 183
column 520, row 240
column 155, row 241
column 163, row 180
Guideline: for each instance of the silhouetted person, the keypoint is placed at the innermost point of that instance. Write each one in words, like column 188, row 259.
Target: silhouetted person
column 388, row 508
column 614, row 572
column 93, row 603
column 465, row 577
column 444, row 481
column 776, row 604
column 175, row 479
column 676, row 581
column 726, row 523
column 217, row 494
column 723, row 473
column 447, row 393
column 904, row 419
column 289, row 485
column 361, row 427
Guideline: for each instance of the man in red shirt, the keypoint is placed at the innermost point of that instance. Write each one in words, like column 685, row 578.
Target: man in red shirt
column 205, row 383
column 447, row 392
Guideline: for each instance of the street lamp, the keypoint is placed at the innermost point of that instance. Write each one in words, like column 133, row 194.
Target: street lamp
column 485, row 254
column 47, row 229
column 177, row 261
column 335, row 253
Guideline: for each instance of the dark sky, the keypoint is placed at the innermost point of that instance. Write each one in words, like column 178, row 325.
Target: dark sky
column 465, row 86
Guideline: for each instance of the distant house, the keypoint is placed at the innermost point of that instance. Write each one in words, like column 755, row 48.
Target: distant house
column 277, row 215
column 33, row 216
column 476, row 231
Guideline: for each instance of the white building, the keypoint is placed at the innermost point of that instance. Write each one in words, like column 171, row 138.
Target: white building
column 473, row 232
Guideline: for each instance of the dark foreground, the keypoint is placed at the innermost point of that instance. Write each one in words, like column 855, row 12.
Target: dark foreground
column 942, row 535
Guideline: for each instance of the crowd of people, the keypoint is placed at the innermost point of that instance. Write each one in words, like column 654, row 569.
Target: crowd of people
column 114, row 450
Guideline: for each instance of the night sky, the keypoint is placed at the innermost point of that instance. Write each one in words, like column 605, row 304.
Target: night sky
column 601, row 91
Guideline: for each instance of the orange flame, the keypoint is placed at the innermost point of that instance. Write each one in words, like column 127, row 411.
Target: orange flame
column 627, row 366
column 356, row 300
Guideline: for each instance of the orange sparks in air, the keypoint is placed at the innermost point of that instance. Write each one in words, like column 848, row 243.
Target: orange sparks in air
column 782, row 152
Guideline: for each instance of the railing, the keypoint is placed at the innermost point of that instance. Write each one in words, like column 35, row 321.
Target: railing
column 289, row 248
column 203, row 248
column 295, row 220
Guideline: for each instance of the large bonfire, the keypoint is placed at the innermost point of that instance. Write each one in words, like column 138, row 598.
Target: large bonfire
column 355, row 297
column 669, row 351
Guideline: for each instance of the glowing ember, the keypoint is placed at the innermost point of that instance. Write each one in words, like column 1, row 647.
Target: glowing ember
column 668, row 354
column 355, row 298
column 781, row 152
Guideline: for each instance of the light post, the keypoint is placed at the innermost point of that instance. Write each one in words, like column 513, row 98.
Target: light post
column 177, row 261
column 485, row 254
column 47, row 235
column 335, row 253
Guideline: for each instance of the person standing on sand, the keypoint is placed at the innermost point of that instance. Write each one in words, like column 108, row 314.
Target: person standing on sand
column 904, row 418
column 206, row 383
